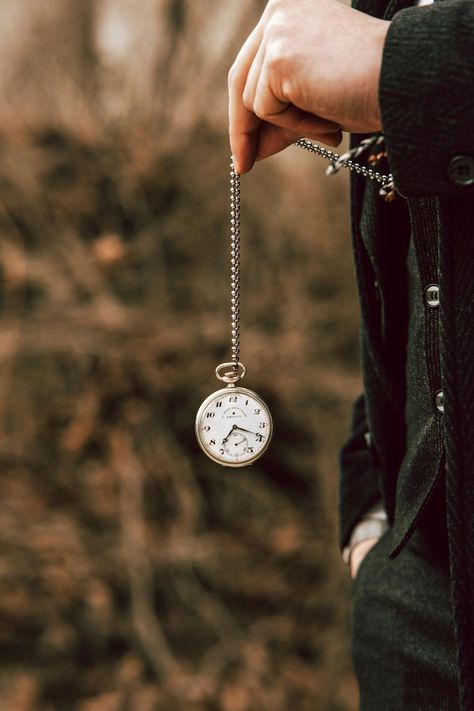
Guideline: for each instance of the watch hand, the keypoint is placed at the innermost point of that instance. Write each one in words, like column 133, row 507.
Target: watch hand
column 255, row 434
column 227, row 437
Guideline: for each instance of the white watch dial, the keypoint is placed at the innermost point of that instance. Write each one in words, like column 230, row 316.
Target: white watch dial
column 234, row 426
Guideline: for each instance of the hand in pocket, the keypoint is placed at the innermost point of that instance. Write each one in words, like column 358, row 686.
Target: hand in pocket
column 359, row 552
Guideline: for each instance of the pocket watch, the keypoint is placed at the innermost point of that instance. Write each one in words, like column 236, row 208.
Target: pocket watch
column 234, row 425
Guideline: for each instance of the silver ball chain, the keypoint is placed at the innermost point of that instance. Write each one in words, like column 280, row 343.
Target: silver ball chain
column 337, row 162
column 345, row 160
column 235, row 264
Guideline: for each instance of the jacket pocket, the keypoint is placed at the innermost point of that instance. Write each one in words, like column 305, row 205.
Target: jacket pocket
column 420, row 470
column 368, row 556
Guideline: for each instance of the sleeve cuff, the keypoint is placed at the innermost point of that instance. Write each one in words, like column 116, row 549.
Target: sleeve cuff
column 425, row 98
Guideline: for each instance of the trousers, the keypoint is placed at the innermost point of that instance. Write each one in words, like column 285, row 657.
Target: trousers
column 404, row 651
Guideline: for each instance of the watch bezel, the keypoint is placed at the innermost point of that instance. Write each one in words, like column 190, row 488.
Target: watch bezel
column 245, row 391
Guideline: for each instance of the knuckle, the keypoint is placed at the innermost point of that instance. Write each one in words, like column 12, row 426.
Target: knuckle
column 259, row 111
column 276, row 55
column 247, row 101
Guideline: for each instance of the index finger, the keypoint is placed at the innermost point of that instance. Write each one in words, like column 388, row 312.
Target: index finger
column 244, row 125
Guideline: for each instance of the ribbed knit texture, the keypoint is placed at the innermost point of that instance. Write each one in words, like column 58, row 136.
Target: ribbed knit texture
column 423, row 462
column 426, row 95
column 403, row 643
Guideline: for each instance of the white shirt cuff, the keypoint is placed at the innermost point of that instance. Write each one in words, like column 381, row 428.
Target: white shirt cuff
column 372, row 523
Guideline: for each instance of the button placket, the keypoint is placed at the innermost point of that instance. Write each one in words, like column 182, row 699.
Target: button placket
column 431, row 297
column 426, row 248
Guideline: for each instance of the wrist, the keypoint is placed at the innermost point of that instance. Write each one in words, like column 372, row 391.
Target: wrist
column 366, row 528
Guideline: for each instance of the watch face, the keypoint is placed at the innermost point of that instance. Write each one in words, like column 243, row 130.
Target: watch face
column 234, row 426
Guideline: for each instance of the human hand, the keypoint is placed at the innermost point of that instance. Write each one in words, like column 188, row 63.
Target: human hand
column 359, row 552
column 309, row 68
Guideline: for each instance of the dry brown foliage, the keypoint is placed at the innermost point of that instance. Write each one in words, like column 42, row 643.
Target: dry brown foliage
column 135, row 575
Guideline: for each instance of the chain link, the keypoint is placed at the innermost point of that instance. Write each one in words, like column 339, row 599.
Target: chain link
column 337, row 162
column 334, row 158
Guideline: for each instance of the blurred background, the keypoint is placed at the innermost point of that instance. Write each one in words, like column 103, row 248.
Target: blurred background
column 136, row 574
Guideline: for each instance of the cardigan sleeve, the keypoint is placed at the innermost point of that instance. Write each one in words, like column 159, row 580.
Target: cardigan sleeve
column 426, row 97
column 358, row 480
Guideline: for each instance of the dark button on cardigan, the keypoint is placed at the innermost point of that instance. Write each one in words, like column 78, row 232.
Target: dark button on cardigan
column 461, row 170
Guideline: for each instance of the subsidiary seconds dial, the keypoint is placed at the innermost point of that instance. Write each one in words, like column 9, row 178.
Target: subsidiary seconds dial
column 234, row 426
